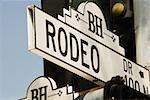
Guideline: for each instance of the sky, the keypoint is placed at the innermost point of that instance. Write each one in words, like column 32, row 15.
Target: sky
column 18, row 66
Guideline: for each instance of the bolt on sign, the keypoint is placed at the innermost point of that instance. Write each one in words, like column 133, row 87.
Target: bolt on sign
column 80, row 42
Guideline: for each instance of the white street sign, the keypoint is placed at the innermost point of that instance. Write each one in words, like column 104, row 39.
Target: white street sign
column 80, row 42
column 43, row 88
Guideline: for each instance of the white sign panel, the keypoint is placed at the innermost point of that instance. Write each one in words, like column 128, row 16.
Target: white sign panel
column 43, row 88
column 80, row 42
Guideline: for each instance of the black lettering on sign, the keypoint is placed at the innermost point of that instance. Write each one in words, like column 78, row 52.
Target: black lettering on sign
column 52, row 34
column 145, row 89
column 34, row 94
column 130, row 68
column 42, row 93
column 93, row 48
column 99, row 28
column 137, row 85
column 95, row 24
column 60, row 31
column 127, row 66
column 91, row 22
column 126, row 81
column 72, row 48
column 83, row 52
column 132, row 83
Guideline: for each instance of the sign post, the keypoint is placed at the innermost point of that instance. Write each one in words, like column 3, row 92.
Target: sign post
column 80, row 42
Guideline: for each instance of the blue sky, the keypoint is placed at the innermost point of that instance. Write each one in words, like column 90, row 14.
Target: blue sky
column 18, row 67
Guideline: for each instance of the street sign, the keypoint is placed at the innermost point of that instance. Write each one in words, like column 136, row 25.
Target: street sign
column 43, row 88
column 80, row 42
